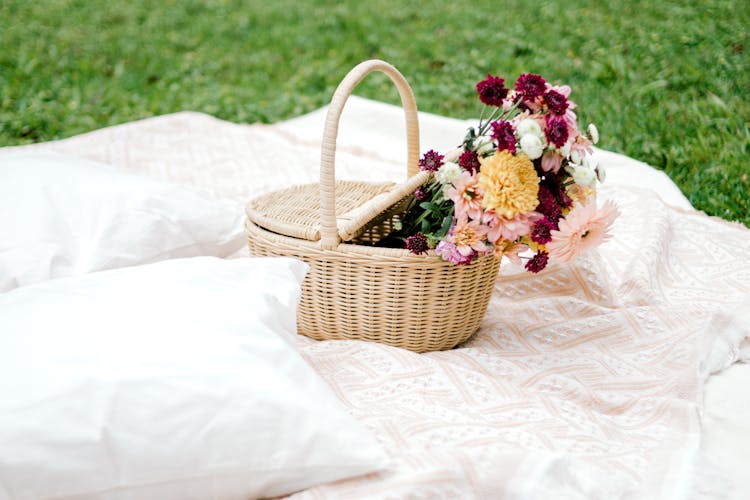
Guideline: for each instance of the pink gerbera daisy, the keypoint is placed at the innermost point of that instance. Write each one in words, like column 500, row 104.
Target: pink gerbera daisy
column 583, row 228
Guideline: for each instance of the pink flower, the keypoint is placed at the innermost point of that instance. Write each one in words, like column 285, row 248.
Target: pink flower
column 565, row 91
column 466, row 195
column 582, row 145
column 469, row 236
column 511, row 251
column 510, row 100
column 502, row 229
column 571, row 119
column 582, row 229
column 551, row 160
column 449, row 252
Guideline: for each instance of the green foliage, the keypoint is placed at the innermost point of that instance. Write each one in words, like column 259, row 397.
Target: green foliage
column 432, row 218
column 665, row 82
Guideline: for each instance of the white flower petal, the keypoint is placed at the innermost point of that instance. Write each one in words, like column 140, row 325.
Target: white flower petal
column 448, row 173
column 453, row 155
column 593, row 133
column 532, row 146
column 601, row 173
column 483, row 144
column 529, row 126
column 584, row 176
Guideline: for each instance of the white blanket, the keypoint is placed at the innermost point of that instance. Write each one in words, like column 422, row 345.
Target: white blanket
column 584, row 381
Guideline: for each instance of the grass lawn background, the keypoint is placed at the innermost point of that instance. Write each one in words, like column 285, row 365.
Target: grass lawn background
column 665, row 82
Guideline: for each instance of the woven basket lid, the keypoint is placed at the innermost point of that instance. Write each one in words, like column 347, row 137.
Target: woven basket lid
column 295, row 211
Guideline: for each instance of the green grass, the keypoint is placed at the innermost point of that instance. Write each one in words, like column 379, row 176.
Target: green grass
column 666, row 82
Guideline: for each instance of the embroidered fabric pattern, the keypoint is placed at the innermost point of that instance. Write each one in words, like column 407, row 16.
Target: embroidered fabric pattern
column 583, row 380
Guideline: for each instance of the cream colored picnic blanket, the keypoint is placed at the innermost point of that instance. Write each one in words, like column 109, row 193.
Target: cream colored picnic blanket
column 583, row 382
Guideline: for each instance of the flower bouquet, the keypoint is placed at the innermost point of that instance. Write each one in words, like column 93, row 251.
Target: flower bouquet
column 522, row 184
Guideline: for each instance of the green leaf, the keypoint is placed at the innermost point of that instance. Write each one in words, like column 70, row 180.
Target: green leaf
column 447, row 223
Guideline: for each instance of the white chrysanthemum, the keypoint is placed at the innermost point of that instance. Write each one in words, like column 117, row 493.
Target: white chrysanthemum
column 593, row 133
column 483, row 144
column 601, row 173
column 583, row 176
column 532, row 146
column 590, row 161
column 565, row 150
column 449, row 173
column 529, row 126
column 576, row 157
column 453, row 155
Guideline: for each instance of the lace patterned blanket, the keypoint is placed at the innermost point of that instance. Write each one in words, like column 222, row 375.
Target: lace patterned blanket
column 583, row 382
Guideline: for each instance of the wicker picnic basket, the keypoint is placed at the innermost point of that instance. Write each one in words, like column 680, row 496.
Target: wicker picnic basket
column 354, row 289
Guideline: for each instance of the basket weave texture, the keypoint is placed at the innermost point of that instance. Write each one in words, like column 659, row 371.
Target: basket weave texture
column 355, row 290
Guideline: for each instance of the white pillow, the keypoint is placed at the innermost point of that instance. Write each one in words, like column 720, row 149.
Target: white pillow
column 172, row 380
column 65, row 216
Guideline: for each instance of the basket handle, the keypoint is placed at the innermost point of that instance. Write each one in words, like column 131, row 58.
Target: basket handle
column 329, row 237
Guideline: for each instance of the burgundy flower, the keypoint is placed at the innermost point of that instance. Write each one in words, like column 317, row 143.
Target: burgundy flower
column 537, row 262
column 556, row 102
column 469, row 160
column 417, row 244
column 420, row 193
column 505, row 135
column 556, row 130
column 492, row 90
column 540, row 232
column 548, row 206
column 431, row 161
column 530, row 86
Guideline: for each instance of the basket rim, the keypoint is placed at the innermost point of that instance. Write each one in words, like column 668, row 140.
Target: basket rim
column 394, row 256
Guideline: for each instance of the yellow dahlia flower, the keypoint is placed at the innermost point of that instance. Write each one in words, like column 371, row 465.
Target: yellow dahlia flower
column 510, row 184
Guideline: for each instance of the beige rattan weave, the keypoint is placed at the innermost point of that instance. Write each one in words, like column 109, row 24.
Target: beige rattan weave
column 355, row 290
